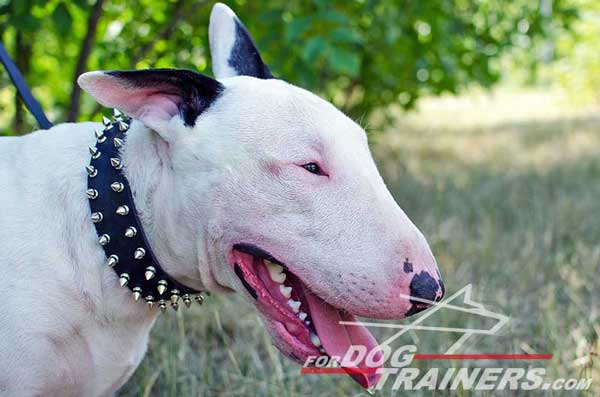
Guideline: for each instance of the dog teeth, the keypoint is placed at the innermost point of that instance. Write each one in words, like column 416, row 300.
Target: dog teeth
column 295, row 305
column 302, row 316
column 315, row 339
column 285, row 291
column 275, row 271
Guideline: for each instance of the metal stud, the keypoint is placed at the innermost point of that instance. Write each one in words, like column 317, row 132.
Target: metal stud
column 118, row 142
column 117, row 187
column 163, row 305
column 116, row 163
column 104, row 239
column 117, row 113
column 97, row 217
column 174, row 296
column 187, row 300
column 150, row 301
column 92, row 194
column 94, row 152
column 123, row 279
column 162, row 286
column 122, row 126
column 150, row 272
column 112, row 260
column 199, row 299
column 106, row 121
column 99, row 136
column 122, row 210
column 175, row 306
column 139, row 253
column 130, row 232
column 137, row 293
column 91, row 171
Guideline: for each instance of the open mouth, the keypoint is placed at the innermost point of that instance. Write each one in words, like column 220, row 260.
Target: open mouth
column 301, row 323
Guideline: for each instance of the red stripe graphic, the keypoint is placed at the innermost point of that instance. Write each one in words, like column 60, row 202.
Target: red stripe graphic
column 483, row 356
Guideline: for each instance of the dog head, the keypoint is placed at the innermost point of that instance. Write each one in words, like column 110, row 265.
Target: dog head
column 284, row 191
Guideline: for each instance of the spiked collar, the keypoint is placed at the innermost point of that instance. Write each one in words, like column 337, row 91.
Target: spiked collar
column 119, row 228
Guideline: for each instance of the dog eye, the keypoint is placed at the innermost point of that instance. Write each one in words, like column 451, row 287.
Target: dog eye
column 313, row 168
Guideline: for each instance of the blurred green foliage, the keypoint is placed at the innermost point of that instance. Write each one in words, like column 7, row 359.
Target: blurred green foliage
column 578, row 70
column 363, row 55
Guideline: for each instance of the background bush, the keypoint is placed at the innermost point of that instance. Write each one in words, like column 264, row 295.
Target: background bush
column 363, row 55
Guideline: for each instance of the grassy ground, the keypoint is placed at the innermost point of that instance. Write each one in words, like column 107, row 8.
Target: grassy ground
column 506, row 188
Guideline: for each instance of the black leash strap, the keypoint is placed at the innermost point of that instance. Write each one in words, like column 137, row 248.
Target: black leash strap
column 28, row 99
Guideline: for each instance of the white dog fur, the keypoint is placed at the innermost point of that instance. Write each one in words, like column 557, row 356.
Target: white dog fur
column 68, row 329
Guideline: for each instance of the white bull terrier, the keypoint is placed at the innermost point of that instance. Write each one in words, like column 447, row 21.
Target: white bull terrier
column 240, row 183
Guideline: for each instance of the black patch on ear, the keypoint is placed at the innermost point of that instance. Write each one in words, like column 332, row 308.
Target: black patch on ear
column 244, row 57
column 193, row 91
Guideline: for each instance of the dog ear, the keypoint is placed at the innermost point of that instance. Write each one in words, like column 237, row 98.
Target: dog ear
column 232, row 49
column 153, row 96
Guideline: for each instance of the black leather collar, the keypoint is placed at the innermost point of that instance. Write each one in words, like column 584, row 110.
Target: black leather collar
column 118, row 226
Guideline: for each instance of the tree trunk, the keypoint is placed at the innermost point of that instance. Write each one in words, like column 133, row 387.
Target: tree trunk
column 84, row 54
column 23, row 50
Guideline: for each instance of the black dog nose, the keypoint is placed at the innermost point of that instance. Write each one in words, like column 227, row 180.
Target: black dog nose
column 424, row 286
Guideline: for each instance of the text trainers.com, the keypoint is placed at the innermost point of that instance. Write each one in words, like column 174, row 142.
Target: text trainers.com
column 394, row 371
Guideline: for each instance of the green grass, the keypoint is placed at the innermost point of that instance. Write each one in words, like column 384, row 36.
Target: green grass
column 506, row 189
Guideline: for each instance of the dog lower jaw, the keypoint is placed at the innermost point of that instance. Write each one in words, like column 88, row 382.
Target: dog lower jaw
column 282, row 304
column 300, row 323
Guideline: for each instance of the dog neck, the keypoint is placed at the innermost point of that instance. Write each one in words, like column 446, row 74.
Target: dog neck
column 177, row 242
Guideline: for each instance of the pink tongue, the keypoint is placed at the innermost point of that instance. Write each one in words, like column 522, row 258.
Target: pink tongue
column 337, row 338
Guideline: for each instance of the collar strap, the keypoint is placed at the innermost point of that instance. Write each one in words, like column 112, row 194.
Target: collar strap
column 118, row 225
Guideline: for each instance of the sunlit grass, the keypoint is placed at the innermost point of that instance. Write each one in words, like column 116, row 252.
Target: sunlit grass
column 506, row 188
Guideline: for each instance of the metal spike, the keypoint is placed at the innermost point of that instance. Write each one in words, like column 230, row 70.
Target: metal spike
column 175, row 306
column 163, row 305
column 100, row 137
column 97, row 217
column 116, row 163
column 106, row 121
column 112, row 260
column 94, row 152
column 139, row 253
column 162, row 286
column 150, row 272
column 92, row 194
column 199, row 299
column 150, row 301
column 187, row 300
column 118, row 142
column 174, row 296
column 130, row 232
column 137, row 293
column 123, row 127
column 122, row 210
column 117, row 187
column 92, row 172
column 104, row 239
column 117, row 113
column 123, row 279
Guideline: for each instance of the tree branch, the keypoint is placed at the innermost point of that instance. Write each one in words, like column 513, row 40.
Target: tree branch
column 84, row 54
